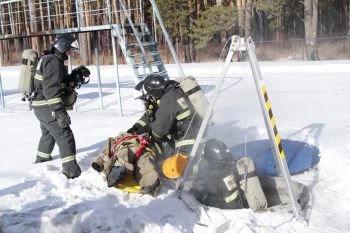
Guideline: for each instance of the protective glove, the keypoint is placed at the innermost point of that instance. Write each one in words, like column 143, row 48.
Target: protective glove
column 139, row 130
column 62, row 118
column 132, row 130
column 144, row 130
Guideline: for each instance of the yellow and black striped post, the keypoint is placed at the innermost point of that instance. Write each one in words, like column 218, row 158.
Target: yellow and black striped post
column 271, row 127
column 273, row 122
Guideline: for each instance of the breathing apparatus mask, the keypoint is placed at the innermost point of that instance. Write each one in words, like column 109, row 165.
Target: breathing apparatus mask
column 79, row 76
column 140, row 93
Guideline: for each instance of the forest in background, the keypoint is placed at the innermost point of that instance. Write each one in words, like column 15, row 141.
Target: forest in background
column 199, row 29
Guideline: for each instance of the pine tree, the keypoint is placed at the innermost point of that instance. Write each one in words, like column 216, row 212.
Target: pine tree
column 214, row 20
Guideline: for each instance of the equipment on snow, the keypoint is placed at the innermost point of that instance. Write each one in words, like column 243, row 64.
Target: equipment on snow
column 250, row 184
column 174, row 166
column 195, row 94
column 277, row 195
column 301, row 156
column 128, row 184
column 27, row 72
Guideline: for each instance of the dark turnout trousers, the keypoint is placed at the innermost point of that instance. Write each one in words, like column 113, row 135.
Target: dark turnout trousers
column 51, row 134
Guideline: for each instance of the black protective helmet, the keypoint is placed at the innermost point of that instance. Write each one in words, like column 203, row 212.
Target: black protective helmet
column 154, row 85
column 64, row 42
column 215, row 150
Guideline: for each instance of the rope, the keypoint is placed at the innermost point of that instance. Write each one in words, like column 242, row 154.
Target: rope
column 245, row 128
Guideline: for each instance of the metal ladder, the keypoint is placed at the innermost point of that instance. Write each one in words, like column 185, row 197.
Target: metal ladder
column 139, row 48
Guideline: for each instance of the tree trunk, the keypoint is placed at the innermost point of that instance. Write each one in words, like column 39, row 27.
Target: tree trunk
column 1, row 53
column 348, row 35
column 248, row 18
column 83, row 36
column 260, row 26
column 310, row 22
column 348, row 15
column 192, row 17
column 34, row 25
column 240, row 9
column 279, row 23
column 67, row 11
column 201, row 5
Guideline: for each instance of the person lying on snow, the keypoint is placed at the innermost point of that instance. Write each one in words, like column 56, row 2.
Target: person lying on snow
column 129, row 154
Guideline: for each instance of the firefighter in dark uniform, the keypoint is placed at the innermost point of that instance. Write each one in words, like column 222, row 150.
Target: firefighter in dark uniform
column 49, row 108
column 175, row 116
column 217, row 182
column 173, row 122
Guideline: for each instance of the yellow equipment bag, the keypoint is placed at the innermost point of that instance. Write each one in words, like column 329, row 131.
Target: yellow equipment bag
column 128, row 184
column 174, row 166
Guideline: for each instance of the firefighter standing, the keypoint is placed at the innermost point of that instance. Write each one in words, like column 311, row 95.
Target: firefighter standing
column 49, row 108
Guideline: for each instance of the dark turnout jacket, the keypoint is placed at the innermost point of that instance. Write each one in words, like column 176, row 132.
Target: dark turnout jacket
column 47, row 84
column 176, row 116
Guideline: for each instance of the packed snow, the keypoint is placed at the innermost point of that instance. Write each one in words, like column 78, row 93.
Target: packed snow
column 311, row 105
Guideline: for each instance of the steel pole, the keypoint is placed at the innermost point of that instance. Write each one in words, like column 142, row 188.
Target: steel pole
column 117, row 83
column 48, row 14
column 109, row 12
column 272, row 129
column 167, row 38
column 2, row 100
column 98, row 72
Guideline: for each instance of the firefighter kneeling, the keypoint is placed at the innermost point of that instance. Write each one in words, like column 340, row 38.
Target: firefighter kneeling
column 129, row 155
column 225, row 183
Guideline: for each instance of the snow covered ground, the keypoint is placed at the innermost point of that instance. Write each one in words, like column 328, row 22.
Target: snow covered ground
column 311, row 104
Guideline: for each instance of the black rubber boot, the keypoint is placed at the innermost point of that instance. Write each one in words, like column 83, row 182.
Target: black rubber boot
column 115, row 175
column 41, row 159
column 97, row 167
column 71, row 169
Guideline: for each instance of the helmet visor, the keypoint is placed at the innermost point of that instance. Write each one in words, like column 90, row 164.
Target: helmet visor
column 75, row 46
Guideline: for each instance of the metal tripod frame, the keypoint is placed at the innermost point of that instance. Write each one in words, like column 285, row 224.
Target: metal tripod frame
column 239, row 44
